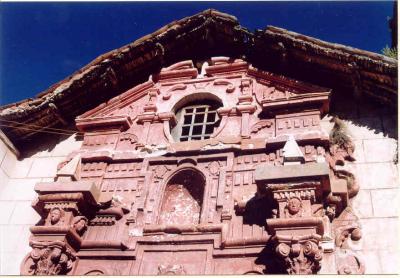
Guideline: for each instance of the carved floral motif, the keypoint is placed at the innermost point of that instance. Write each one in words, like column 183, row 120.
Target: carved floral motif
column 300, row 256
column 48, row 258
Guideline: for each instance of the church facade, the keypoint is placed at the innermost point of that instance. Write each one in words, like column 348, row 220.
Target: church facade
column 211, row 162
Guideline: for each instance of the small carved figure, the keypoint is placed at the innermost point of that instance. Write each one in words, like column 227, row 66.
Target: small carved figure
column 80, row 224
column 56, row 216
column 293, row 207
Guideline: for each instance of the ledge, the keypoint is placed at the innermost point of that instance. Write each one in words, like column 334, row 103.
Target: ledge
column 88, row 188
column 268, row 173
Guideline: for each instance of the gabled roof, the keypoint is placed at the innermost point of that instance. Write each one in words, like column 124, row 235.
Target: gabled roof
column 209, row 33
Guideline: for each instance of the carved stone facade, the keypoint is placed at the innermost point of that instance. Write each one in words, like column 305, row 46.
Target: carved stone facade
column 262, row 195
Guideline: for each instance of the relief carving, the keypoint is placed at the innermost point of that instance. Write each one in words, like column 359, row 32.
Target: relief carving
column 261, row 125
column 48, row 258
column 287, row 211
column 294, row 208
column 214, row 168
column 349, row 263
column 127, row 141
column 171, row 270
column 272, row 93
column 230, row 86
column 300, row 256
column 79, row 223
column 56, row 216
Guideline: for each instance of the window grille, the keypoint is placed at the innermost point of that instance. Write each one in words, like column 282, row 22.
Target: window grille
column 198, row 122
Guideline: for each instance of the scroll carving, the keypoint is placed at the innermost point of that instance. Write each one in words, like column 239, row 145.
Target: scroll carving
column 48, row 258
column 300, row 255
column 171, row 270
column 263, row 124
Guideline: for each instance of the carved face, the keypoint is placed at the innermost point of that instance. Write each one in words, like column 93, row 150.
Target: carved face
column 55, row 215
column 294, row 206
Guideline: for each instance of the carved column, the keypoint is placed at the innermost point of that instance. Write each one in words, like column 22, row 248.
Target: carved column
column 245, row 106
column 296, row 230
column 65, row 208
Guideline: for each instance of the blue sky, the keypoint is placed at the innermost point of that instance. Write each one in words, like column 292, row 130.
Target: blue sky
column 42, row 43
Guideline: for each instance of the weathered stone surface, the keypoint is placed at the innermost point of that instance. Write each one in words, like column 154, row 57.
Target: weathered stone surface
column 44, row 167
column 365, row 128
column 88, row 188
column 24, row 214
column 6, row 210
column 380, row 233
column 8, row 163
column 389, row 261
column 65, row 147
column 359, row 154
column 3, row 150
column 268, row 173
column 19, row 189
column 377, row 175
column 372, row 261
column 3, row 179
column 10, row 237
column 385, row 202
column 362, row 204
column 380, row 150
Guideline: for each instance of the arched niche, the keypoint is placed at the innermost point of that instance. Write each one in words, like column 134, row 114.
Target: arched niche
column 183, row 198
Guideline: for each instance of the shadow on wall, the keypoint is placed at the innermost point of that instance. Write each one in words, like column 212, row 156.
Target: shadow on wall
column 364, row 113
column 46, row 142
